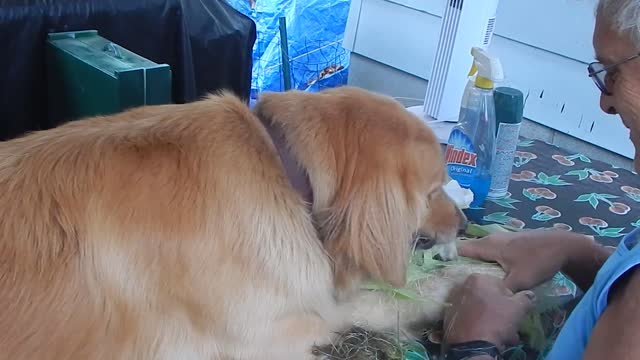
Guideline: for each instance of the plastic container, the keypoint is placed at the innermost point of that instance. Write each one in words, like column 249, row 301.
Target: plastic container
column 470, row 83
column 471, row 144
column 509, row 107
column 90, row 75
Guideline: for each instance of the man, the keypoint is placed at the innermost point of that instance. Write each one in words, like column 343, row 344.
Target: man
column 486, row 311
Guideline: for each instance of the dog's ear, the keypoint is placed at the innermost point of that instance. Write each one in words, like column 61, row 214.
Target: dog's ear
column 360, row 153
column 367, row 229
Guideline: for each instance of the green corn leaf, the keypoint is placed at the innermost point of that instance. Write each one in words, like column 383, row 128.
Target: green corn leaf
column 582, row 174
column 405, row 294
column 533, row 329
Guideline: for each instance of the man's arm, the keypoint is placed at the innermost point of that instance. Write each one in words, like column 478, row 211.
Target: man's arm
column 615, row 335
column 585, row 259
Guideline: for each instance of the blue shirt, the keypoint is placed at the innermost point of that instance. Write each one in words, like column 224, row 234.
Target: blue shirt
column 572, row 340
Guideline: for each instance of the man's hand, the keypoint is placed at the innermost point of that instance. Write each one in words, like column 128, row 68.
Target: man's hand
column 531, row 257
column 485, row 309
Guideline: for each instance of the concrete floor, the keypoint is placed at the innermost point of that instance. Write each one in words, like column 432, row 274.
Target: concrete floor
column 410, row 90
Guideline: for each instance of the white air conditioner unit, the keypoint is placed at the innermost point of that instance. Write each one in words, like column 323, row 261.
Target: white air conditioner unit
column 465, row 24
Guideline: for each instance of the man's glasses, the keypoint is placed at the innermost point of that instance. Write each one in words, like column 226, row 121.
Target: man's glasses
column 603, row 75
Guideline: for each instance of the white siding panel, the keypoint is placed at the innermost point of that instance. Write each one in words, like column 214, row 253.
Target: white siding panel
column 397, row 36
column 433, row 7
column 563, row 27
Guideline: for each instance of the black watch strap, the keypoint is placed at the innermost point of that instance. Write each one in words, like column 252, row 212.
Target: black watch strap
column 468, row 350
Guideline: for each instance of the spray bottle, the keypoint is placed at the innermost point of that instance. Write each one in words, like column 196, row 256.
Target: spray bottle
column 471, row 145
column 472, row 80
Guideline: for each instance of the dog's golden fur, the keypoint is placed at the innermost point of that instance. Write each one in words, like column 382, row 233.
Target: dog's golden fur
column 172, row 231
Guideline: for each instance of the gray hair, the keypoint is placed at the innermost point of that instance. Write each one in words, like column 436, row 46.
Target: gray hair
column 623, row 15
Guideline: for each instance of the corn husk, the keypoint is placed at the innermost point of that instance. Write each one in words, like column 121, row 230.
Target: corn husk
column 361, row 344
column 429, row 281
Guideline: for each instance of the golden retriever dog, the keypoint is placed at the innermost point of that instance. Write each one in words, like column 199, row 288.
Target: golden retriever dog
column 208, row 231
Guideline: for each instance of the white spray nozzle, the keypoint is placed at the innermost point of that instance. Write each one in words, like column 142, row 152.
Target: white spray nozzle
column 489, row 68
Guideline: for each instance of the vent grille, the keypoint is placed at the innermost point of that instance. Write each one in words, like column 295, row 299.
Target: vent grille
column 490, row 26
column 442, row 61
column 456, row 4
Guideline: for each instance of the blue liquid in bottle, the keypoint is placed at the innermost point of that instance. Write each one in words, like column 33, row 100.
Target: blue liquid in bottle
column 471, row 145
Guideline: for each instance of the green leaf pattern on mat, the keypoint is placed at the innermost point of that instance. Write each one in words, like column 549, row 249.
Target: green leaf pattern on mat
column 551, row 180
column 601, row 228
column 529, row 195
column 545, row 213
column 525, row 143
column 594, row 199
column 546, row 195
column 634, row 197
column 578, row 156
column 544, row 179
column 498, row 217
column 612, row 232
column 523, row 157
column 582, row 174
column 506, row 201
column 595, row 175
column 534, row 194
column 505, row 220
column 632, row 192
column 562, row 286
column 568, row 160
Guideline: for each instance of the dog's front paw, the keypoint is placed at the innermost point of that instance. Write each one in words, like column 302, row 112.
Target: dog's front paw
column 447, row 251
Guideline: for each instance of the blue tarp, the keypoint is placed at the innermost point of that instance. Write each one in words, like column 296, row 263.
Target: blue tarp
column 315, row 30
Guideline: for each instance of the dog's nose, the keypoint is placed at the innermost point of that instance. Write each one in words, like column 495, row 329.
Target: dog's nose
column 463, row 224
column 462, row 231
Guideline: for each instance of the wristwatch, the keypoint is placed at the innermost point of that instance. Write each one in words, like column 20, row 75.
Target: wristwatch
column 471, row 349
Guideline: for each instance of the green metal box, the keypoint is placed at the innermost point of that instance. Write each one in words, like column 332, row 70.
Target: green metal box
column 89, row 75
